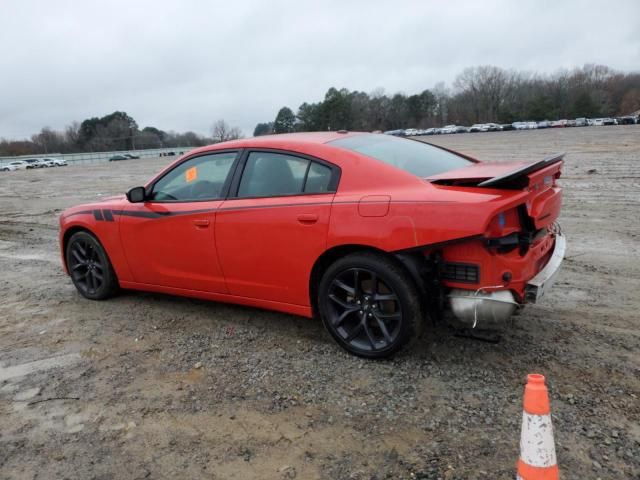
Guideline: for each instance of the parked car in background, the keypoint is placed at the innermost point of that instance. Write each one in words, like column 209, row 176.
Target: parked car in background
column 609, row 121
column 598, row 122
column 59, row 162
column 559, row 123
column 507, row 126
column 33, row 163
column 626, row 120
column 117, row 158
column 532, row 125
column 131, row 156
column 544, row 124
column 48, row 162
column 581, row 122
column 430, row 131
column 450, row 233
column 449, row 129
column 8, row 168
column 20, row 164
column 519, row 125
column 571, row 123
column 395, row 133
column 478, row 127
column 493, row 127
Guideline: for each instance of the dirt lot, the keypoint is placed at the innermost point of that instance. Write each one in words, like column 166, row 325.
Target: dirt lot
column 163, row 387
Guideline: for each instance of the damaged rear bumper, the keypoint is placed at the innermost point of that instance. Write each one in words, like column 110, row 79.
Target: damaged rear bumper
column 544, row 280
column 496, row 304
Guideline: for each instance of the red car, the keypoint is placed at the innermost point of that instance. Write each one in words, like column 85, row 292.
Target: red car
column 372, row 233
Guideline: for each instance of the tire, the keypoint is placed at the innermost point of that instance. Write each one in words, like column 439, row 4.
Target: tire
column 366, row 321
column 90, row 268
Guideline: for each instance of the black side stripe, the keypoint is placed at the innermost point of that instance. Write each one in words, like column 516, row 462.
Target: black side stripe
column 97, row 214
column 83, row 212
column 147, row 214
column 107, row 215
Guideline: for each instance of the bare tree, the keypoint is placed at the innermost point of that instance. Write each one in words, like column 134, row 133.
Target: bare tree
column 235, row 133
column 485, row 88
column 48, row 140
column 221, row 132
column 72, row 136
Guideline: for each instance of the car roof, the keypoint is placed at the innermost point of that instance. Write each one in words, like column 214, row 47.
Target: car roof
column 277, row 141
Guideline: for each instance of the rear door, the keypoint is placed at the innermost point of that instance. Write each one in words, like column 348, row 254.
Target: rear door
column 273, row 227
column 169, row 240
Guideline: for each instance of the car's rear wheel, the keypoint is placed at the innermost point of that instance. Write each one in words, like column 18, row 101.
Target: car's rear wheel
column 369, row 304
column 89, row 266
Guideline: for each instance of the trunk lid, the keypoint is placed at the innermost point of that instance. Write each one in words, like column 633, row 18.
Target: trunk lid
column 537, row 178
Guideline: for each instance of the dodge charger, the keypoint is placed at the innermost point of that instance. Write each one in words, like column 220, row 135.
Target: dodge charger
column 371, row 233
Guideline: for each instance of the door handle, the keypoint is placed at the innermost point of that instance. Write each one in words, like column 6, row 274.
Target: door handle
column 201, row 223
column 307, row 218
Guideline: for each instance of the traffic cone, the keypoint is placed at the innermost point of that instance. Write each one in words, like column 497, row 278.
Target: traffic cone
column 537, row 448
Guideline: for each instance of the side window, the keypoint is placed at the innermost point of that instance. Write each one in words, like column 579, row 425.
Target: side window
column 269, row 174
column 272, row 174
column 200, row 178
column 318, row 178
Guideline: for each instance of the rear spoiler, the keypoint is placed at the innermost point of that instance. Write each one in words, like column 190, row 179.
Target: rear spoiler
column 510, row 177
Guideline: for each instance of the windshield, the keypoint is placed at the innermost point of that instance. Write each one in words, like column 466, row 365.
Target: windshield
column 418, row 158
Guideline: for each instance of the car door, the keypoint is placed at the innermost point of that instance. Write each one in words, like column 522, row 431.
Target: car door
column 169, row 239
column 274, row 224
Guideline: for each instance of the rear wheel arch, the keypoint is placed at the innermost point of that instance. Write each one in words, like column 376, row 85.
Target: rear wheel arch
column 387, row 297
column 410, row 265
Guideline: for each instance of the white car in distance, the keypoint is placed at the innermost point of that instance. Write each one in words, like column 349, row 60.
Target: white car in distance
column 449, row 129
column 15, row 165
column 55, row 162
column 479, row 127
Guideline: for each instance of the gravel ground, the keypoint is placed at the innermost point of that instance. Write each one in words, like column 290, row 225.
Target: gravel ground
column 152, row 386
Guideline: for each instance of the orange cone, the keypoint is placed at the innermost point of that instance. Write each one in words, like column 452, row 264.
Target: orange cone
column 537, row 448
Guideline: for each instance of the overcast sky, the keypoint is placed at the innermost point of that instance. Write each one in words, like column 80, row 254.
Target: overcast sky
column 180, row 65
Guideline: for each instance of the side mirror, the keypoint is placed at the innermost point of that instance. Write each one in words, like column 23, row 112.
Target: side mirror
column 137, row 195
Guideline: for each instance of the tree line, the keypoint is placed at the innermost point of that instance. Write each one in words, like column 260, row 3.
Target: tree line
column 478, row 94
column 116, row 131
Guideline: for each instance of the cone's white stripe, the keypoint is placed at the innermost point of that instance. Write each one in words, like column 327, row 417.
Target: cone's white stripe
column 536, row 443
column 518, row 477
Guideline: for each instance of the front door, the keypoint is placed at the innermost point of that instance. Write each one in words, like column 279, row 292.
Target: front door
column 169, row 240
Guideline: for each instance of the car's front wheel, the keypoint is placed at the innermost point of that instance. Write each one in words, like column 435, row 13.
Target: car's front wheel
column 89, row 266
column 369, row 304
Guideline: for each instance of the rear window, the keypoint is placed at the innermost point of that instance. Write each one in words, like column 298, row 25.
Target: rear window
column 418, row 158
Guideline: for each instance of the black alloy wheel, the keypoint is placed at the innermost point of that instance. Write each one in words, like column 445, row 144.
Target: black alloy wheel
column 90, row 269
column 369, row 304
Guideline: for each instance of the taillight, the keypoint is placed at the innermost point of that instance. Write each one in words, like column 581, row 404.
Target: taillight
column 504, row 223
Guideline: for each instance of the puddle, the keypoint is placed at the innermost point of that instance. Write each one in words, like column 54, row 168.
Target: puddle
column 7, row 373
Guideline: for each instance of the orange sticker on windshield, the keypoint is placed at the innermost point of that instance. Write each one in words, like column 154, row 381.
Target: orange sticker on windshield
column 191, row 174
